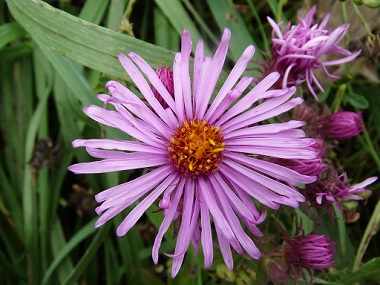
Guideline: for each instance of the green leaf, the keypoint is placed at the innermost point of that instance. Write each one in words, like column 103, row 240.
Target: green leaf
column 10, row 32
column 356, row 100
column 86, row 231
column 180, row 19
column 165, row 35
column 71, row 75
column 115, row 14
column 368, row 271
column 84, row 42
column 241, row 38
column 371, row 229
column 88, row 255
column 93, row 10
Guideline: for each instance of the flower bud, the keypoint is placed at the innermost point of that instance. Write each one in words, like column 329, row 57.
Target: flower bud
column 166, row 76
column 341, row 125
column 312, row 252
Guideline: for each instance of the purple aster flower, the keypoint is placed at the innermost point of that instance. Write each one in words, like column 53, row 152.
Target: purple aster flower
column 310, row 252
column 166, row 76
column 299, row 49
column 340, row 125
column 202, row 151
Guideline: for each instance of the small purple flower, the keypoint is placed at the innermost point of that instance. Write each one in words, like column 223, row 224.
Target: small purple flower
column 340, row 191
column 299, row 49
column 340, row 125
column 202, row 151
column 310, row 252
column 165, row 74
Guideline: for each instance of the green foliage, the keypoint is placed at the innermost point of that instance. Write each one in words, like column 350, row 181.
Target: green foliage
column 53, row 62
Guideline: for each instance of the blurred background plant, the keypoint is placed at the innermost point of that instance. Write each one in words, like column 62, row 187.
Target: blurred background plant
column 55, row 56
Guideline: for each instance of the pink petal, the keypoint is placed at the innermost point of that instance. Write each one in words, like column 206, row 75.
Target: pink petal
column 225, row 248
column 277, row 171
column 245, row 212
column 206, row 236
column 231, row 80
column 120, row 145
column 153, row 78
column 167, row 220
column 273, row 185
column 218, row 216
column 243, row 238
column 143, row 86
column 135, row 161
column 177, row 81
column 265, row 129
column 214, row 72
column 186, row 46
column 133, row 187
column 250, row 98
column 139, row 210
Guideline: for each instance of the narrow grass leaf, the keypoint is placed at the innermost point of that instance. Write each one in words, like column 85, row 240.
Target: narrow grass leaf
column 371, row 229
column 88, row 255
column 93, row 10
column 58, row 242
column 82, row 234
column 180, row 19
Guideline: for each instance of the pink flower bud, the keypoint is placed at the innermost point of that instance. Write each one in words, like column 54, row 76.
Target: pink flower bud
column 166, row 76
column 312, row 252
column 341, row 125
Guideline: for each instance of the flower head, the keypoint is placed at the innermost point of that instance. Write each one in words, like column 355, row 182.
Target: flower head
column 310, row 252
column 340, row 125
column 298, row 50
column 203, row 151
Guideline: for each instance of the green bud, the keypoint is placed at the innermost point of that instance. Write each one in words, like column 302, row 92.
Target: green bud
column 368, row 3
column 224, row 273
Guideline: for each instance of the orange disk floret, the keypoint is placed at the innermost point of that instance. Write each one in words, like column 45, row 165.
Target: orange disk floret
column 196, row 147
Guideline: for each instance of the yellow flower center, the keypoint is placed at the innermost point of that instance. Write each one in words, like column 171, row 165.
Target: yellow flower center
column 196, row 147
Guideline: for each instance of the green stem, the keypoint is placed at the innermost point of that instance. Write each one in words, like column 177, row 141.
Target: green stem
column 200, row 21
column 364, row 22
column 260, row 25
column 338, row 98
column 371, row 148
column 370, row 231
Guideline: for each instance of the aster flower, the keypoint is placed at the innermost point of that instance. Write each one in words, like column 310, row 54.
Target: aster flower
column 299, row 49
column 340, row 125
column 202, row 151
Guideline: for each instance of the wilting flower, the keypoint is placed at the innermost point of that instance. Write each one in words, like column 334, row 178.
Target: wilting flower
column 310, row 252
column 201, row 150
column 340, row 191
column 340, row 125
column 298, row 50
column 330, row 190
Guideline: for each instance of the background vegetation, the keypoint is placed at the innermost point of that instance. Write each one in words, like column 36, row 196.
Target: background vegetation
column 55, row 56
